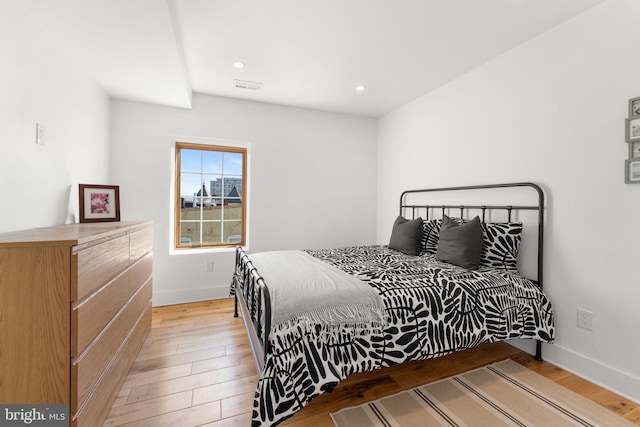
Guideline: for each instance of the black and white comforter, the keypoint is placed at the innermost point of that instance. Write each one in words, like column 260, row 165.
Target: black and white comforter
column 433, row 309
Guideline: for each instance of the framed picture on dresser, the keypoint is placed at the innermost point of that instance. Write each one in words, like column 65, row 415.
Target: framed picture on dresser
column 99, row 203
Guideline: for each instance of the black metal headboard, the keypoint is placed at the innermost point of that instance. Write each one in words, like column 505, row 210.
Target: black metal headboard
column 421, row 209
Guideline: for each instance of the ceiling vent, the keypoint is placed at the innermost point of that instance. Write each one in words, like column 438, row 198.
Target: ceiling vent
column 245, row 84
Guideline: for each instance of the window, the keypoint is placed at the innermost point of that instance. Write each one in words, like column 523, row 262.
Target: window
column 210, row 205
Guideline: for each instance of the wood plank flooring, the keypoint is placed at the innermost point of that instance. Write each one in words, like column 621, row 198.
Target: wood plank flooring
column 196, row 369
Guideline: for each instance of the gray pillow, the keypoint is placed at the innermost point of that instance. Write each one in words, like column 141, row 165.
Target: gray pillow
column 460, row 244
column 405, row 236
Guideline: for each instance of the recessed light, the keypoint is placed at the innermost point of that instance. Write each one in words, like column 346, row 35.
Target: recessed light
column 238, row 64
column 361, row 88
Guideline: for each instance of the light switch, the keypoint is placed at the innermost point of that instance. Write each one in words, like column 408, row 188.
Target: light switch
column 39, row 134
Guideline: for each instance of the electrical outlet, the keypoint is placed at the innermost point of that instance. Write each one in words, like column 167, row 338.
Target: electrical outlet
column 585, row 319
column 208, row 267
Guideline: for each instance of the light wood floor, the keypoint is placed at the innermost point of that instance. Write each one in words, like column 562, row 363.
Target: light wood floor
column 196, row 369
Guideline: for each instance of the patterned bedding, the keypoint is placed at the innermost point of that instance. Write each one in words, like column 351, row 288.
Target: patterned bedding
column 433, row 309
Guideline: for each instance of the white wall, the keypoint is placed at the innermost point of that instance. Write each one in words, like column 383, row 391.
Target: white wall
column 39, row 83
column 551, row 111
column 312, row 181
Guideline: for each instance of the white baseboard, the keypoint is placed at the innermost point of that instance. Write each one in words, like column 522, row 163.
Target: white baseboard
column 181, row 296
column 615, row 380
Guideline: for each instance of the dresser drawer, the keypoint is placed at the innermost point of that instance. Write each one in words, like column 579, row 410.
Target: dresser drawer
column 94, row 313
column 140, row 273
column 141, row 300
column 96, row 265
column 93, row 410
column 139, row 333
column 88, row 368
column 141, row 243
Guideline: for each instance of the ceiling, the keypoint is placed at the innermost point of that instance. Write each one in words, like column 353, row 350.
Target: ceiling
column 305, row 53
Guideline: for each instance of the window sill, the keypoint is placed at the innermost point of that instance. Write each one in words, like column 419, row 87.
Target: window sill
column 193, row 251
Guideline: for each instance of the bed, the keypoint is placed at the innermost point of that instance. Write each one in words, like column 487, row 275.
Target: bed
column 425, row 304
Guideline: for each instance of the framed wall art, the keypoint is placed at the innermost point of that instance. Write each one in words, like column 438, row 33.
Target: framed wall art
column 632, row 130
column 632, row 171
column 634, row 107
column 634, row 150
column 99, row 203
column 632, row 136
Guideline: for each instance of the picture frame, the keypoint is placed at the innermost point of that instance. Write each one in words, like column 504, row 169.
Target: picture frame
column 634, row 150
column 634, row 107
column 99, row 203
column 632, row 129
column 632, row 171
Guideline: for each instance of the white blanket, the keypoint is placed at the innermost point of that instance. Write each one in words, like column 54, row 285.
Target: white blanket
column 305, row 289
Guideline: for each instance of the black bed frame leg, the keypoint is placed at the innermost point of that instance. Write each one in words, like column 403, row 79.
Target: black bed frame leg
column 235, row 299
column 538, row 355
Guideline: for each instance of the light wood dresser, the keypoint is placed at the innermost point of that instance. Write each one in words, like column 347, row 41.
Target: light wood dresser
column 75, row 308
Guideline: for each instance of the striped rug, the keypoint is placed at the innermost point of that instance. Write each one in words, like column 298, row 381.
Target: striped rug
column 503, row 394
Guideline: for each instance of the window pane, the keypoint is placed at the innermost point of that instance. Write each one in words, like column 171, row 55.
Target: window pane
column 233, row 192
column 190, row 211
column 190, row 233
column 232, row 212
column 232, row 231
column 211, row 233
column 215, row 186
column 190, row 184
column 190, row 160
column 211, row 213
column 233, row 164
column 209, row 181
column 212, row 163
